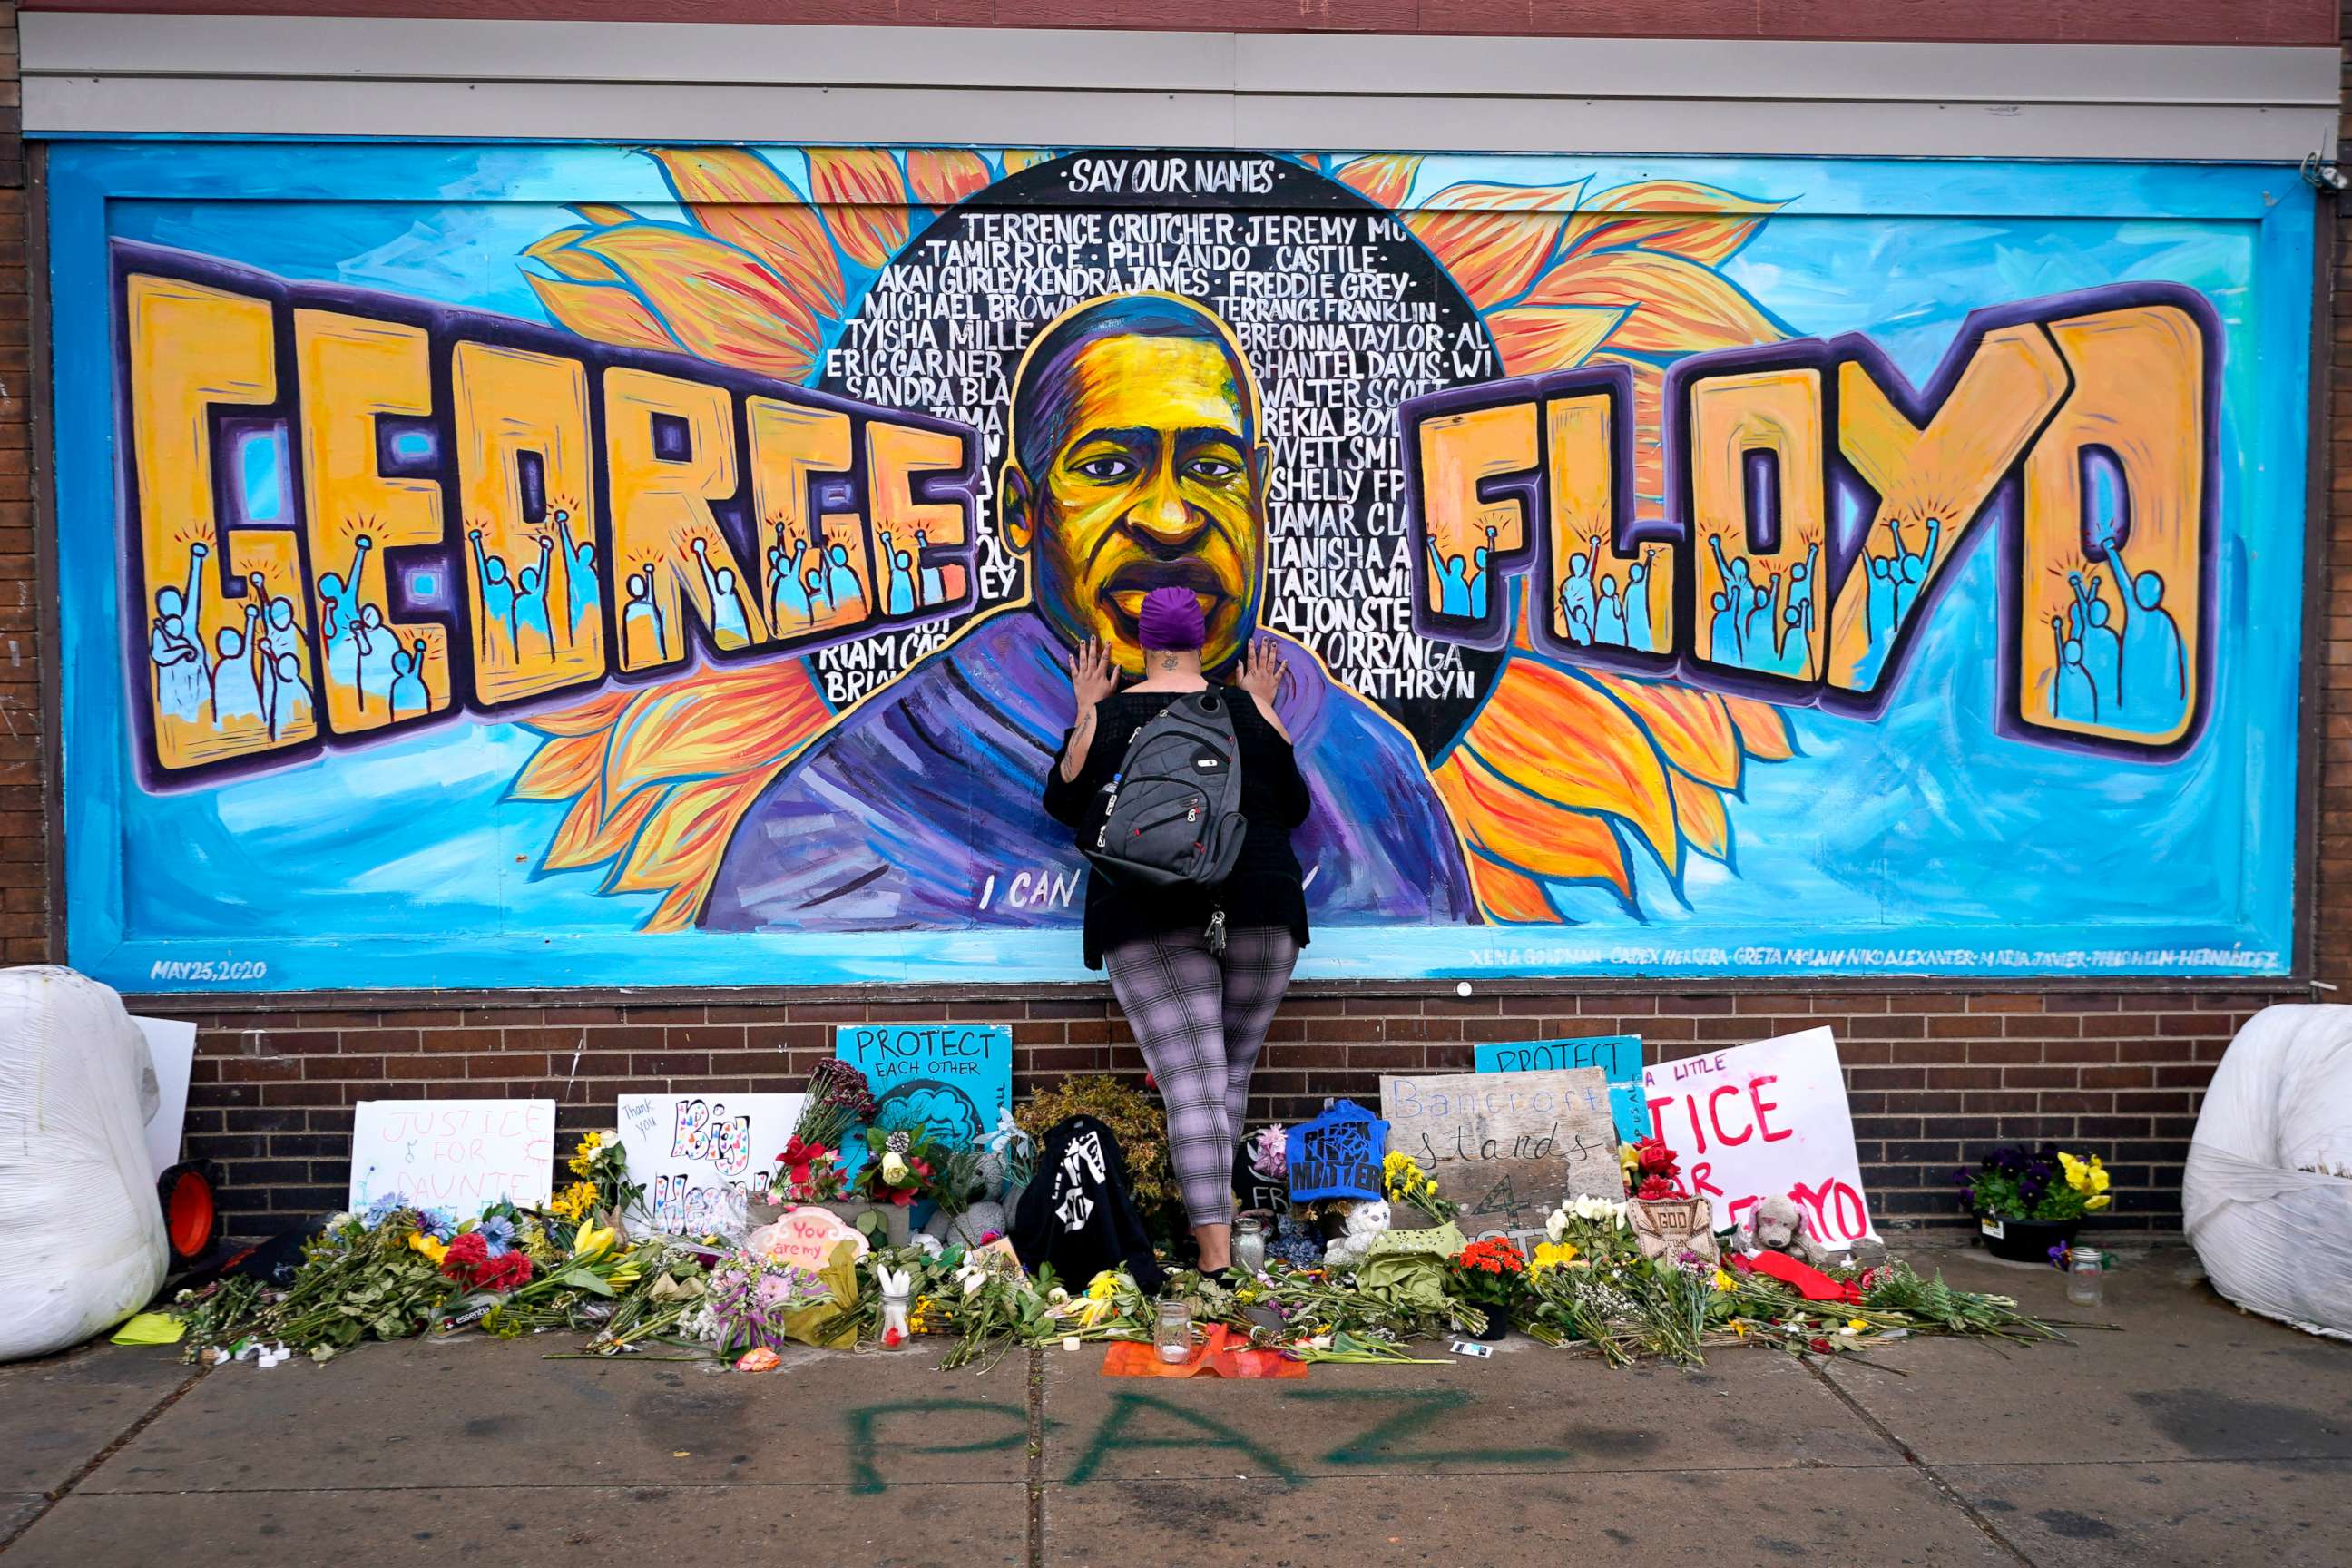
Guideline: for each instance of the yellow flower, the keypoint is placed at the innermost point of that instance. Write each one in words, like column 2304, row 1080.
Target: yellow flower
column 2098, row 1201
column 1739, row 1327
column 1723, row 1282
column 431, row 1248
column 585, row 1155
column 592, row 1240
column 1553, row 1254
column 1857, row 1324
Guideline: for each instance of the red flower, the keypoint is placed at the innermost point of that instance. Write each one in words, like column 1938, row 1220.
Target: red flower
column 509, row 1272
column 1654, row 1158
column 1821, row 1347
column 469, row 1263
column 891, row 1336
column 1655, row 1188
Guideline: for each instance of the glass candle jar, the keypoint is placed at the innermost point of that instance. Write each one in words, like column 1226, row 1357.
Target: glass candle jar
column 2085, row 1282
column 1249, row 1245
column 1174, row 1334
column 894, row 1332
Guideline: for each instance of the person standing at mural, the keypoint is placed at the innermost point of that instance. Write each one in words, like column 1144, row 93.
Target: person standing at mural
column 1135, row 463
column 1199, row 1011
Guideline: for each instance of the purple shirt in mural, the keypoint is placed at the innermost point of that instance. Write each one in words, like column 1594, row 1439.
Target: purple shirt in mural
column 921, row 806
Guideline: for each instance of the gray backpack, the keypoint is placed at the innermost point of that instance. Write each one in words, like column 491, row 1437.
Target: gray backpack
column 1171, row 815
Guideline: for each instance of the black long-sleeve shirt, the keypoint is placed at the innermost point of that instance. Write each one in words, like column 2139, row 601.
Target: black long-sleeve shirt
column 1265, row 886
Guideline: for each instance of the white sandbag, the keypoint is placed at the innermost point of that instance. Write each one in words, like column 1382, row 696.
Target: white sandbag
column 2270, row 1222
column 81, row 1234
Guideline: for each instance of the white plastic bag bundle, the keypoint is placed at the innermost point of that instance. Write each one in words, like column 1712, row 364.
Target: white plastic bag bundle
column 81, row 1235
column 2270, row 1222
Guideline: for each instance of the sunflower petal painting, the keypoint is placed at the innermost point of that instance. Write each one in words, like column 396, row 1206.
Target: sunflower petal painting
column 542, row 565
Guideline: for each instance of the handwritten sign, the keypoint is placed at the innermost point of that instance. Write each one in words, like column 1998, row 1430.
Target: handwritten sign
column 458, row 1155
column 688, row 1149
column 1618, row 1057
column 949, row 1078
column 1508, row 1146
column 805, row 1237
column 1757, row 1122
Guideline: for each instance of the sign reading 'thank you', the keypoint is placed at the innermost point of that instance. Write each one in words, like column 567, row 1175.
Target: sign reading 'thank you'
column 949, row 1079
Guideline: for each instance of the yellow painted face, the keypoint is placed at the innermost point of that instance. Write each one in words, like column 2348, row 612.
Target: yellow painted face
column 1155, row 485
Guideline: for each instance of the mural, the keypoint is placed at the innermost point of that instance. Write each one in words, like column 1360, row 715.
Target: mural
column 548, row 565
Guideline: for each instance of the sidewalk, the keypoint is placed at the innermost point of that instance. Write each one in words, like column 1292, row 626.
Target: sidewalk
column 2198, row 1436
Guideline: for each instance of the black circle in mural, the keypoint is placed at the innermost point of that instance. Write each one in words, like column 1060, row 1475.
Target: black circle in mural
column 1340, row 312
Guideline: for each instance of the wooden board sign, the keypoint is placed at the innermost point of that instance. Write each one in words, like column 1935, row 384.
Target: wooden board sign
column 1510, row 1147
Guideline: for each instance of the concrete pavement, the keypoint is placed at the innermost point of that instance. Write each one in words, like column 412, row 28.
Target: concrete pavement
column 2196, row 1436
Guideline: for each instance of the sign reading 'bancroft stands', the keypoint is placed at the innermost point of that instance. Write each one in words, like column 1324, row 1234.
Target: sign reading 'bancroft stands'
column 1508, row 1146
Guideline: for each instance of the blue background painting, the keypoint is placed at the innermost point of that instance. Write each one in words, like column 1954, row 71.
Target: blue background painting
column 1924, row 841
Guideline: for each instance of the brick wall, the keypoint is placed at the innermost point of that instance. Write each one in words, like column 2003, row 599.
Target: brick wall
column 1934, row 1075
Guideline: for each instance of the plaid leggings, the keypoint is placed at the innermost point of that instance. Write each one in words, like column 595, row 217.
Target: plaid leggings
column 1201, row 1021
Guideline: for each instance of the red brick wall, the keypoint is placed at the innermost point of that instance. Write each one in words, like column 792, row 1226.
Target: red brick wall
column 1933, row 1076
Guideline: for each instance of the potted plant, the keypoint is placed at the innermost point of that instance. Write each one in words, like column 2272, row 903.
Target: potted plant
column 2027, row 1201
column 1489, row 1276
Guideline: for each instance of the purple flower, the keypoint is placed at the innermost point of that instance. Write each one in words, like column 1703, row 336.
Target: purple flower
column 2060, row 1255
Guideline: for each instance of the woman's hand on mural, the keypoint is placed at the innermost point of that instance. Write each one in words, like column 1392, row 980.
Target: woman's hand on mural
column 1262, row 674
column 1093, row 675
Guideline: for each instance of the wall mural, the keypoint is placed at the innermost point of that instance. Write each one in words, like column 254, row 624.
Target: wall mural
column 546, row 565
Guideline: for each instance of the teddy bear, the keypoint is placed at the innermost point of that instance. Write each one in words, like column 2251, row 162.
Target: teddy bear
column 1365, row 1223
column 1778, row 1224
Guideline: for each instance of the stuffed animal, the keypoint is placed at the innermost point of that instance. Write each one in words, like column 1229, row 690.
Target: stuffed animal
column 1366, row 1223
column 1778, row 1224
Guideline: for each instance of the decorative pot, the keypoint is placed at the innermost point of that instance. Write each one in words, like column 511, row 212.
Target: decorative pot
column 2025, row 1240
column 1498, row 1323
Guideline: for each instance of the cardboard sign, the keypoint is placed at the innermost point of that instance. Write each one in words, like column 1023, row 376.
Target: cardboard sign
column 455, row 1155
column 1757, row 1122
column 805, row 1238
column 687, row 1149
column 949, row 1079
column 1618, row 1057
column 1508, row 1146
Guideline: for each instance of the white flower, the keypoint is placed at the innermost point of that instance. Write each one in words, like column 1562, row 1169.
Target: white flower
column 894, row 1169
column 928, row 1243
column 1556, row 1224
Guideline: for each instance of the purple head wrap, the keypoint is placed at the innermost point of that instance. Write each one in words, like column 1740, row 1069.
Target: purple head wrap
column 1172, row 618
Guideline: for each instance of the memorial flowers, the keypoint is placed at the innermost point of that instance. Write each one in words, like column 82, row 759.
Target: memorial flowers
column 1405, row 1182
column 2014, row 1181
column 838, row 1100
column 901, row 1169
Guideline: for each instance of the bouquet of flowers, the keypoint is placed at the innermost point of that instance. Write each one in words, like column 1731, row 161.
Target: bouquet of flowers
column 2016, row 1183
column 747, row 1301
column 1585, row 1225
column 1404, row 1182
column 808, row 1173
column 838, row 1100
column 1650, row 1169
column 603, row 1163
column 901, row 1169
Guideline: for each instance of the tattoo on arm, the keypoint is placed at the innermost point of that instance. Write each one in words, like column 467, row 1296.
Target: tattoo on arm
column 1073, row 756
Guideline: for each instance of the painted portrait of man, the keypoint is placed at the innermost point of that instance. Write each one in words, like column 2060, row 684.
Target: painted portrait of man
column 1135, row 461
